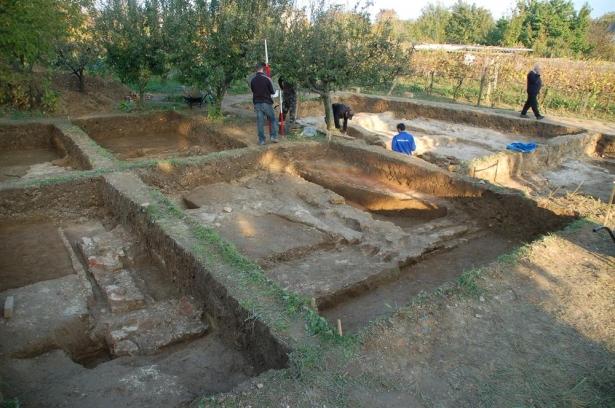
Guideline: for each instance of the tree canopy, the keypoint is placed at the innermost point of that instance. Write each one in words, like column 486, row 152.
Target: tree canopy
column 327, row 48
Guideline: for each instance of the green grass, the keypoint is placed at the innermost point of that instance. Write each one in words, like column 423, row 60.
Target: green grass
column 163, row 85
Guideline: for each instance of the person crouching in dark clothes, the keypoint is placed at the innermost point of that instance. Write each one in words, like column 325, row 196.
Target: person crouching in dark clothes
column 534, row 83
column 341, row 111
column 289, row 101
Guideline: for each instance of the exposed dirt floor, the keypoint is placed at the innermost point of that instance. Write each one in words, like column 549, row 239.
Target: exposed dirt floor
column 536, row 330
column 449, row 145
column 593, row 177
column 97, row 322
column 357, row 243
column 450, row 292
column 30, row 163
column 102, row 95
column 159, row 135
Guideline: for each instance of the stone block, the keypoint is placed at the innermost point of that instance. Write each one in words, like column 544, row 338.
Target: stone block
column 147, row 330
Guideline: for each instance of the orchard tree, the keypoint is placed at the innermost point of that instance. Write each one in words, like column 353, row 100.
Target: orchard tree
column 80, row 47
column 331, row 49
column 133, row 35
column 28, row 32
column 213, row 41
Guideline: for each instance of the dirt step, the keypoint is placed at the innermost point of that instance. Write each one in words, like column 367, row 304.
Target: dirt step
column 146, row 331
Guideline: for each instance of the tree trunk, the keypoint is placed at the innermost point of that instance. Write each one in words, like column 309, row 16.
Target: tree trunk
column 81, row 79
column 392, row 87
column 326, row 100
column 431, row 74
column 141, row 101
column 215, row 109
column 457, row 89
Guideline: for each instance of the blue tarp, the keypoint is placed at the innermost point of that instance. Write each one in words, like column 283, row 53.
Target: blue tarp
column 522, row 147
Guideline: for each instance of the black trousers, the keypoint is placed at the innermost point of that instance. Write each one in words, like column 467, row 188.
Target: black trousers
column 532, row 102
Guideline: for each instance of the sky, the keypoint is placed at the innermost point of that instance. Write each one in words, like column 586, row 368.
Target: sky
column 411, row 9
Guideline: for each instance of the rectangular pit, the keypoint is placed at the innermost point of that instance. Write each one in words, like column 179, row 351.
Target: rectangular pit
column 37, row 149
column 355, row 228
column 102, row 307
column 473, row 142
column 409, row 109
column 157, row 135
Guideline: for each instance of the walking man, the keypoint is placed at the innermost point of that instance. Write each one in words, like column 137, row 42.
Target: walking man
column 534, row 83
column 262, row 90
column 403, row 142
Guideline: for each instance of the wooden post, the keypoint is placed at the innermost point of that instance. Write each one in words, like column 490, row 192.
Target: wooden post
column 432, row 75
column 495, row 84
column 543, row 102
column 339, row 327
column 313, row 304
column 483, row 76
column 610, row 203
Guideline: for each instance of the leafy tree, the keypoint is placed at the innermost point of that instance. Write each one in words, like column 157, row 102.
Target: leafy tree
column 329, row 49
column 468, row 24
column 28, row 31
column 214, row 41
column 81, row 47
column 553, row 27
column 431, row 24
column 389, row 17
column 134, row 38
column 601, row 37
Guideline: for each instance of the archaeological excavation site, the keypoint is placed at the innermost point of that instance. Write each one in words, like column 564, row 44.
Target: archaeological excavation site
column 153, row 259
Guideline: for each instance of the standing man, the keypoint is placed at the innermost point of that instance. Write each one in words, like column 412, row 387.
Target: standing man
column 403, row 142
column 289, row 101
column 534, row 83
column 262, row 89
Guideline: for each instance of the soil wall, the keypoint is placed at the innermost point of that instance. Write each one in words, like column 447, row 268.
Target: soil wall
column 110, row 126
column 409, row 109
column 506, row 165
column 73, row 199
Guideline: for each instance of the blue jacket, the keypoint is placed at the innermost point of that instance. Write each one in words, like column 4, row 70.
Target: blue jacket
column 403, row 143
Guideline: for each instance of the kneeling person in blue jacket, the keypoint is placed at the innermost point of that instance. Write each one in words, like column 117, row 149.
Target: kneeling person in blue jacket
column 403, row 142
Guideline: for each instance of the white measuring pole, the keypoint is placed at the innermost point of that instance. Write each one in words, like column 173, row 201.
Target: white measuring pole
column 266, row 54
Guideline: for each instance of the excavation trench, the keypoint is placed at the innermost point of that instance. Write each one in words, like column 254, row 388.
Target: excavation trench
column 357, row 229
column 113, row 306
column 156, row 136
column 35, row 150
column 474, row 143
